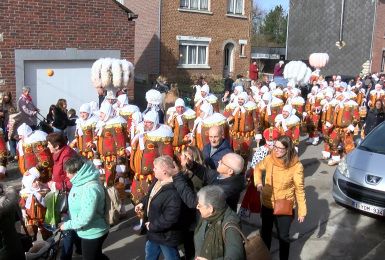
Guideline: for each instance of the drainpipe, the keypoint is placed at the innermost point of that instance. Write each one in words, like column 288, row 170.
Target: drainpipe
column 287, row 29
column 160, row 35
column 374, row 27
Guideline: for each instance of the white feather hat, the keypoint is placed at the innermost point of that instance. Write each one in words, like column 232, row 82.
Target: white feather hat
column 153, row 97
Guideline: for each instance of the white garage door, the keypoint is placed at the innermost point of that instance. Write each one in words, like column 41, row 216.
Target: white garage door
column 71, row 80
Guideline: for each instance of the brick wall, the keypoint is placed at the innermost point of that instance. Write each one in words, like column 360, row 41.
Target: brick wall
column 378, row 37
column 57, row 24
column 219, row 27
column 147, row 38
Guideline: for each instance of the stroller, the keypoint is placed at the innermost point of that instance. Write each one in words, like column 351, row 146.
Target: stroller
column 43, row 124
column 45, row 249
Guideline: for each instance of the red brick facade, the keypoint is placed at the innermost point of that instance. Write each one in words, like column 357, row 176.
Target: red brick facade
column 147, row 38
column 378, row 38
column 57, row 24
column 214, row 24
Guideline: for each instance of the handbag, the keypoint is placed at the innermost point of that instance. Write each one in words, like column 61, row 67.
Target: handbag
column 254, row 246
column 281, row 206
column 25, row 239
column 62, row 200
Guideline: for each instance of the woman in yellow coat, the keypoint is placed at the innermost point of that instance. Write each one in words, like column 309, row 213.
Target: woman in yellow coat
column 284, row 179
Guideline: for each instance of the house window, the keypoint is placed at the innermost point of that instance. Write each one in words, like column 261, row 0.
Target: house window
column 235, row 7
column 193, row 51
column 193, row 55
column 242, row 48
column 383, row 61
column 195, row 4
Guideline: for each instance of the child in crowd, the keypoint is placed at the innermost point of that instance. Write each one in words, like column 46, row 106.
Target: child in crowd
column 71, row 126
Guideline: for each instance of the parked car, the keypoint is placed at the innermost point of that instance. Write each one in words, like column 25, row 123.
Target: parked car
column 359, row 179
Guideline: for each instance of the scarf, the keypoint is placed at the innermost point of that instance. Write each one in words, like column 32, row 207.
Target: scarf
column 213, row 244
column 27, row 98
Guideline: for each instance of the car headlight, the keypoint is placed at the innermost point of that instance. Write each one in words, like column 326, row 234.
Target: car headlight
column 343, row 168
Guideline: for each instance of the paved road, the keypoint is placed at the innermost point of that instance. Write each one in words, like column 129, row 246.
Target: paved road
column 330, row 231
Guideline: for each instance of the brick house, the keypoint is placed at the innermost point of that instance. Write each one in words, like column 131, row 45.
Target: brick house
column 66, row 37
column 195, row 37
column 314, row 26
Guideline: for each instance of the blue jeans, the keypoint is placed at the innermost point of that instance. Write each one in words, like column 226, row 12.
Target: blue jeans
column 154, row 249
column 69, row 239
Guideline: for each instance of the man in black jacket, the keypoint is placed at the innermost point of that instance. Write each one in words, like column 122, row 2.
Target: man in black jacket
column 228, row 175
column 162, row 210
column 217, row 148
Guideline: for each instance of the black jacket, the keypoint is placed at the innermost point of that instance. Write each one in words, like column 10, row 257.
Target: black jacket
column 232, row 186
column 164, row 216
column 373, row 118
column 10, row 244
column 60, row 119
column 212, row 161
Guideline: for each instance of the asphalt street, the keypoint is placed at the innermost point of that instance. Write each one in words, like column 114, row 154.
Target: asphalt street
column 330, row 231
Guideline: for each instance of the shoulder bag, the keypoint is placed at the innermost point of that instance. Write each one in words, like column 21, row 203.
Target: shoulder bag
column 281, row 206
column 255, row 248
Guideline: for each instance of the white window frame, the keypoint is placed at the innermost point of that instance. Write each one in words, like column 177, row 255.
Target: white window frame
column 235, row 6
column 189, row 9
column 194, row 42
column 242, row 48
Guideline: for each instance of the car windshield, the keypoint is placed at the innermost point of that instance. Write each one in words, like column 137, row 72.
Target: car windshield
column 374, row 141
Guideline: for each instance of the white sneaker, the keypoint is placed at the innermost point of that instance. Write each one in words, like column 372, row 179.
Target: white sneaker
column 333, row 162
column 137, row 227
column 309, row 141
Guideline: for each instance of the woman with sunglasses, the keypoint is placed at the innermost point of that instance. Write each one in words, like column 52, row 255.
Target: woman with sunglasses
column 284, row 180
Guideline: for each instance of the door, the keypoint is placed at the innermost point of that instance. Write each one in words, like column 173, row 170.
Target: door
column 228, row 59
column 71, row 80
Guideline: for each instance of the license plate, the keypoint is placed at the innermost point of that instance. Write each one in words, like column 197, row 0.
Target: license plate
column 368, row 208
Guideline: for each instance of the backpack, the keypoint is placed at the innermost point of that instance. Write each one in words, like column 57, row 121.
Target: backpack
column 254, row 246
column 112, row 206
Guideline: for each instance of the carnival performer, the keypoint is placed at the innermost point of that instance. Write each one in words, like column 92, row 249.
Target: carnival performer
column 84, row 133
column 154, row 102
column 288, row 124
column 341, row 132
column 270, row 135
column 33, row 204
column 328, row 104
column 376, row 94
column 181, row 120
column 312, row 114
column 126, row 110
column 196, row 138
column 205, row 97
column 269, row 108
column 33, row 151
column 155, row 141
column 111, row 140
column 275, row 90
column 244, row 125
